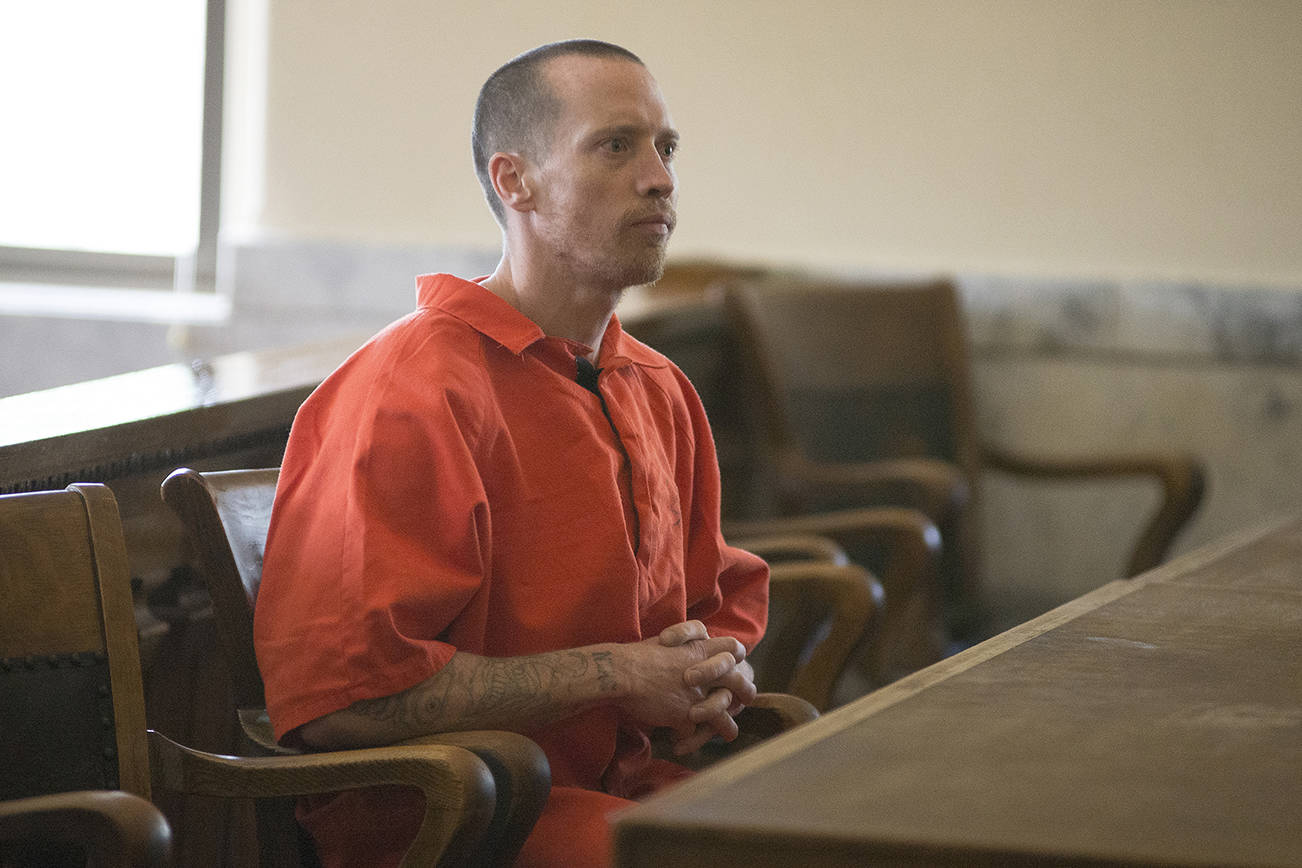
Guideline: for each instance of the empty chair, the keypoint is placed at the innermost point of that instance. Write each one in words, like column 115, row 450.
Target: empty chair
column 847, row 378
column 102, row 828
column 681, row 317
column 73, row 711
column 823, row 610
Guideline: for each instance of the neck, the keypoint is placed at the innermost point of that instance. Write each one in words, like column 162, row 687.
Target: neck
column 562, row 307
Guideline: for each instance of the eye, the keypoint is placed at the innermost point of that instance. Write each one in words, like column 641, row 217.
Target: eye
column 668, row 150
column 617, row 146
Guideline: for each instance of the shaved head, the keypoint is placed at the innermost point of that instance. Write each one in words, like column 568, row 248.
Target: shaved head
column 516, row 107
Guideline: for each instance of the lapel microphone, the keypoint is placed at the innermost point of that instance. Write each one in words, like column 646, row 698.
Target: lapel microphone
column 587, row 375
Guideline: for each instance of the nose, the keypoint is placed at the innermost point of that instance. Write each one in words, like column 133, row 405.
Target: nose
column 656, row 176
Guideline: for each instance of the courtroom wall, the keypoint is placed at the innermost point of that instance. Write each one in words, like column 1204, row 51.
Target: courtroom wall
column 1101, row 138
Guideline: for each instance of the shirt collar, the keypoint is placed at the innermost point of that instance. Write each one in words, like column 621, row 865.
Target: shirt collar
column 493, row 317
column 478, row 308
column 619, row 348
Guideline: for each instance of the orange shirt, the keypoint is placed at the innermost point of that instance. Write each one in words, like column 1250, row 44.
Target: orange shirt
column 451, row 487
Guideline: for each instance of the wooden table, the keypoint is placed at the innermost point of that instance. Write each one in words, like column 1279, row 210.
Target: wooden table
column 1155, row 721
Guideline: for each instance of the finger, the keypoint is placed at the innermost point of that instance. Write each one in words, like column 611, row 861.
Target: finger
column 740, row 683
column 725, row 643
column 693, row 742
column 714, row 705
column 679, row 634
column 722, row 725
column 709, row 670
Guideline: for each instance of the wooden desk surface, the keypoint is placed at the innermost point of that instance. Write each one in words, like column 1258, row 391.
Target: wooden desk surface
column 1153, row 721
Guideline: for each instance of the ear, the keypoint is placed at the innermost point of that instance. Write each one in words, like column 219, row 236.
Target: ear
column 508, row 172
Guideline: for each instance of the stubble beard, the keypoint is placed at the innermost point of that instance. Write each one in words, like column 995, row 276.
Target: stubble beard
column 620, row 271
column 648, row 268
column 620, row 261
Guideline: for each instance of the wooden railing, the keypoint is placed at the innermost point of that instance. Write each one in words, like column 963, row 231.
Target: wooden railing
column 130, row 431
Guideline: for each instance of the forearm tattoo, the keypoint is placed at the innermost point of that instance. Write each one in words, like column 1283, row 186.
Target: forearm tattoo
column 493, row 693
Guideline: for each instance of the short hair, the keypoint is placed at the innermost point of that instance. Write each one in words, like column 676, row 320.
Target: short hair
column 516, row 104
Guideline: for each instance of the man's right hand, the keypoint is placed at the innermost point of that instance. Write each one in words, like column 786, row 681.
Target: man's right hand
column 687, row 681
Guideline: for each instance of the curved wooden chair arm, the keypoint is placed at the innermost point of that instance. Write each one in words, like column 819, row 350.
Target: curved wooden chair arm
column 520, row 770
column 851, row 599
column 903, row 547
column 907, row 539
column 774, row 713
column 523, row 778
column 1181, row 477
column 769, row 715
column 936, row 488
column 458, row 787
column 794, row 547
column 118, row 829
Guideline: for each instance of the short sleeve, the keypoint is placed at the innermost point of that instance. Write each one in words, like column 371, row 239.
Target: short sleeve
column 379, row 538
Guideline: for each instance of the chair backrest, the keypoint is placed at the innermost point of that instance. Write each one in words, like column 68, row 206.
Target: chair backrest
column 849, row 372
column 226, row 514
column 72, row 708
column 680, row 317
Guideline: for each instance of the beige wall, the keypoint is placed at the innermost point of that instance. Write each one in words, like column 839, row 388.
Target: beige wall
column 1084, row 137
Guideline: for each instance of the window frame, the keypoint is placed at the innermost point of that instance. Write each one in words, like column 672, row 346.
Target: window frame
column 189, row 272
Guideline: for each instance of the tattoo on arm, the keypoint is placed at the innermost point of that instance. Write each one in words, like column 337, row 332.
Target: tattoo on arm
column 492, row 693
column 605, row 664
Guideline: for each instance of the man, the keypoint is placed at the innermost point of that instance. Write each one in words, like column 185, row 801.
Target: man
column 503, row 512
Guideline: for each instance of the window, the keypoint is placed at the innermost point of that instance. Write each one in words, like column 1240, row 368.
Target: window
column 110, row 157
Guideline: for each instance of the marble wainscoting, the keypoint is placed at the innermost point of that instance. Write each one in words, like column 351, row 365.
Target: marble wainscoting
column 288, row 292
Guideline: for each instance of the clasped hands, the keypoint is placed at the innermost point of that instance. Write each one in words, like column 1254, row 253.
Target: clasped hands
column 691, row 683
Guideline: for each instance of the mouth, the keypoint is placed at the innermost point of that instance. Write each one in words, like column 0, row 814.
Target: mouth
column 659, row 223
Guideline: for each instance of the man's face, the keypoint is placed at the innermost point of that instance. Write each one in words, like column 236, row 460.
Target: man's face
column 605, row 189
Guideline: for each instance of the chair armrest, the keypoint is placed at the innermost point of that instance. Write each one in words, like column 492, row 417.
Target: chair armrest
column 849, row 598
column 118, row 829
column 458, row 787
column 906, row 542
column 935, row 488
column 794, row 547
column 774, row 713
column 902, row 547
column 520, row 770
column 769, row 715
column 523, row 780
column 1181, row 477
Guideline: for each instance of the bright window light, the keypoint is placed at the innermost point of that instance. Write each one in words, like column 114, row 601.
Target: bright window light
column 101, row 112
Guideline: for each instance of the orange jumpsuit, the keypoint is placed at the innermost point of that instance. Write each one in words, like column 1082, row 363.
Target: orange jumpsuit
column 451, row 486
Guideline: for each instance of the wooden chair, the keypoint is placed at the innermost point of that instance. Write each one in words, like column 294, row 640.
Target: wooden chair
column 682, row 317
column 227, row 513
column 73, row 712
column 672, row 316
column 901, row 548
column 101, row 828
column 822, row 610
column 848, row 379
